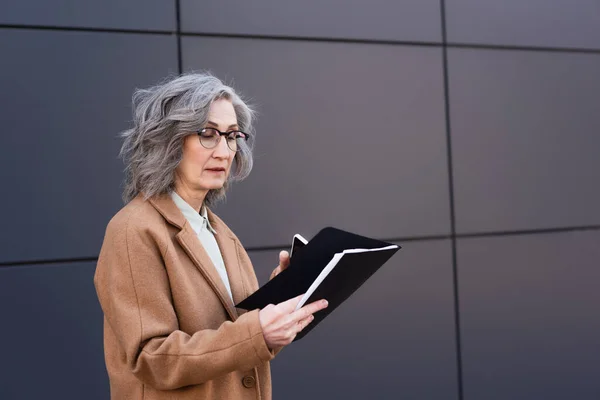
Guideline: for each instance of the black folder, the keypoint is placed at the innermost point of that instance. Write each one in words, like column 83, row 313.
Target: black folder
column 307, row 263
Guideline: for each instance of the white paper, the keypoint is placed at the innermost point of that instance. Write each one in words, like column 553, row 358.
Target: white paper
column 329, row 267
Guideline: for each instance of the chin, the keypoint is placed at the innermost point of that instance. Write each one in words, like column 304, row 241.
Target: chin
column 214, row 185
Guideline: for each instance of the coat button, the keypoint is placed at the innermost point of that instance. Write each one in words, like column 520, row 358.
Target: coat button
column 249, row 382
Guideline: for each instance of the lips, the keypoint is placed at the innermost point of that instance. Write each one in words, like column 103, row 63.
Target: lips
column 217, row 169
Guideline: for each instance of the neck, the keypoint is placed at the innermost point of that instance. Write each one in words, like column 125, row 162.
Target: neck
column 193, row 197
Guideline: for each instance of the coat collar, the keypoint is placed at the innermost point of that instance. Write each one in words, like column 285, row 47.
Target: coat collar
column 228, row 246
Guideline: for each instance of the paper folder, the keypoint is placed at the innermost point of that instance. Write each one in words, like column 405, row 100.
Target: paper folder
column 331, row 266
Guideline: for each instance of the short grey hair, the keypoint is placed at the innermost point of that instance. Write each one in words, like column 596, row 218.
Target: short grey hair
column 163, row 116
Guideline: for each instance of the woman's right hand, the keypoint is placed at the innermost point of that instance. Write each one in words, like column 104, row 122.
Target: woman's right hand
column 280, row 323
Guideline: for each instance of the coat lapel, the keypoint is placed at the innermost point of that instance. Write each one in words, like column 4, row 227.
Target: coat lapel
column 189, row 242
column 229, row 250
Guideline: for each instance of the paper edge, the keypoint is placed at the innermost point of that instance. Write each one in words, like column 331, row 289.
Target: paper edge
column 329, row 267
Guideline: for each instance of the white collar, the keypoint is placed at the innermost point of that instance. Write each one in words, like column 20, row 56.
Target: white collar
column 197, row 220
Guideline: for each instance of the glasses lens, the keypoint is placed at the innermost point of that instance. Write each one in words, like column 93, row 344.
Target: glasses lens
column 209, row 138
column 235, row 139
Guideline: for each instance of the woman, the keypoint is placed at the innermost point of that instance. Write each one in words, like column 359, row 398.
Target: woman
column 170, row 271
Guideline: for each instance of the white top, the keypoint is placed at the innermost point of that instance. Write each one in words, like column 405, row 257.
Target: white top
column 206, row 235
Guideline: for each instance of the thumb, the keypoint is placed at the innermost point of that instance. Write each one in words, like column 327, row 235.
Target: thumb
column 284, row 258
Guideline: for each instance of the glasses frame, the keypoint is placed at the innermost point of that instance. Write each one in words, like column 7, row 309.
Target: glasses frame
column 228, row 133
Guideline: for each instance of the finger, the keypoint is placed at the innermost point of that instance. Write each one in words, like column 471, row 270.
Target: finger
column 304, row 323
column 309, row 309
column 284, row 259
column 291, row 334
column 275, row 272
column 289, row 306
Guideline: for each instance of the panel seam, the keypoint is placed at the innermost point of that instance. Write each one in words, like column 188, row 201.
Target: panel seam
column 455, row 280
column 178, row 34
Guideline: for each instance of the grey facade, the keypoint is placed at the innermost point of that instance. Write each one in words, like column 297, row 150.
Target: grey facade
column 467, row 131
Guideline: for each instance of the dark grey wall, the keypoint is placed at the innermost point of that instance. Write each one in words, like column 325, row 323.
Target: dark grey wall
column 467, row 131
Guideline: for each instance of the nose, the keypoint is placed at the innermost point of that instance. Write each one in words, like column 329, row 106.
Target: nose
column 222, row 150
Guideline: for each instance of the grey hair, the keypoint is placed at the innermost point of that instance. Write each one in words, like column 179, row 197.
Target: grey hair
column 163, row 116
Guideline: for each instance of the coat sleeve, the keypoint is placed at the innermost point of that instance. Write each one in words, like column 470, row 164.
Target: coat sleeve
column 245, row 259
column 133, row 289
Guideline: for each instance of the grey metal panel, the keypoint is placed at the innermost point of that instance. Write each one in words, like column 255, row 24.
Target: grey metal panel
column 349, row 135
column 524, row 139
column 394, row 338
column 65, row 97
column 377, row 19
column 558, row 23
column 529, row 316
column 51, row 333
column 116, row 14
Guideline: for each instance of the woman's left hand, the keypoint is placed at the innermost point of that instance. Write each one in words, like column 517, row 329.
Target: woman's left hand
column 284, row 262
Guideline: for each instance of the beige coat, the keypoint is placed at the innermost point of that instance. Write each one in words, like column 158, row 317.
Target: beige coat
column 171, row 330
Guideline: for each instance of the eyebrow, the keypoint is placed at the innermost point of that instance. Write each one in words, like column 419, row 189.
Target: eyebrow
column 216, row 125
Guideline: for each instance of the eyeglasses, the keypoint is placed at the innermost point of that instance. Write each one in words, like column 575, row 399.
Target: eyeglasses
column 210, row 138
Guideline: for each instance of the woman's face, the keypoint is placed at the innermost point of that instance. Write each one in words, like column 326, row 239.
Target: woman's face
column 202, row 169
